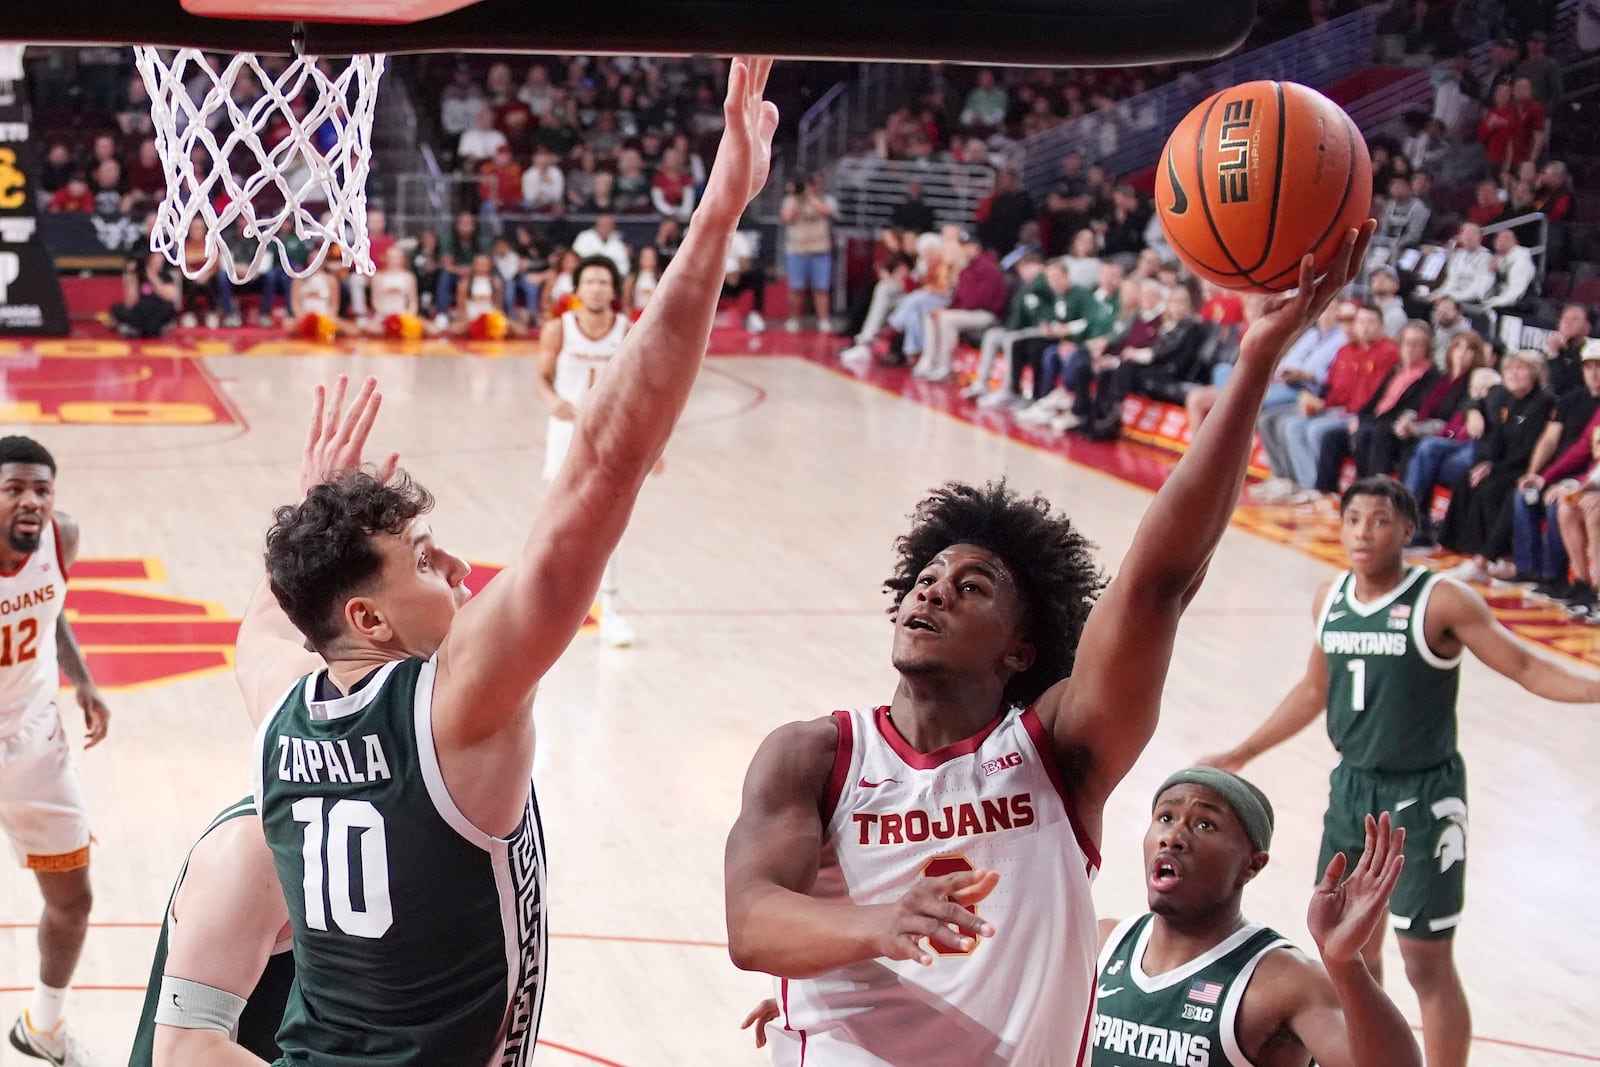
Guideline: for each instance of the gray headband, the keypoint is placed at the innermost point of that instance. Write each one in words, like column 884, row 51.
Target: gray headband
column 1248, row 803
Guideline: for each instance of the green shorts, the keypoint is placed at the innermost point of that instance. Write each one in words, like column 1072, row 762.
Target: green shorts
column 1431, row 805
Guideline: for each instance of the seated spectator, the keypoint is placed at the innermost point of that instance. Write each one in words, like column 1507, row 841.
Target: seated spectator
column 669, row 235
column 1383, row 291
column 632, row 190
column 580, row 178
column 558, row 295
column 1304, row 368
column 1426, row 147
column 1222, row 307
column 1469, row 271
column 479, row 141
column 984, row 110
column 106, row 186
column 145, row 178
column 1402, row 393
column 1561, row 452
column 913, row 213
column 502, row 180
column 976, row 303
column 150, row 297
column 1478, row 522
column 1027, row 294
column 209, row 288
column 1552, row 194
column 1448, row 324
column 1578, row 517
column 1564, row 348
column 904, row 337
column 1000, row 216
column 1083, row 259
column 314, row 308
column 396, row 310
column 58, row 169
column 1356, row 375
column 543, row 185
column 1123, row 240
column 640, row 286
column 672, row 189
column 465, row 241
column 536, row 90
column 1149, row 367
column 1486, row 205
column 1065, row 380
column 1389, row 448
column 742, row 274
column 1519, row 203
column 73, row 196
column 426, row 266
column 602, row 239
column 1405, row 217
column 1441, row 457
column 1047, row 310
column 1514, row 272
column 133, row 117
column 479, row 304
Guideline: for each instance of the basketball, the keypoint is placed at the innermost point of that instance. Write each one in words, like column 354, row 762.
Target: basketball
column 1255, row 177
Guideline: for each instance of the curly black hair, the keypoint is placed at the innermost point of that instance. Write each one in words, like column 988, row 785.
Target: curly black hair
column 320, row 551
column 19, row 449
column 1385, row 488
column 1052, row 562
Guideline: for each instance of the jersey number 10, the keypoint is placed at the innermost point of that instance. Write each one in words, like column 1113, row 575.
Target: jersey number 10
column 331, row 839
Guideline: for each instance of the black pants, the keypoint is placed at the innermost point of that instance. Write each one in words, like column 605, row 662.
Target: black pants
column 148, row 317
column 1028, row 352
column 754, row 281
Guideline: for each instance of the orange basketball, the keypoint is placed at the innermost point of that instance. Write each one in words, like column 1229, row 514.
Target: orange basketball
column 1257, row 176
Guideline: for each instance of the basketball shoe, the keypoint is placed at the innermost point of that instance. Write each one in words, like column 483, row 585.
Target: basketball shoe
column 58, row 1046
column 615, row 629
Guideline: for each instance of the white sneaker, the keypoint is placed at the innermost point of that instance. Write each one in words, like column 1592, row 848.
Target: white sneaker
column 1037, row 413
column 792, row 325
column 1000, row 398
column 213, row 320
column 59, row 1046
column 754, row 323
column 856, row 355
column 1065, row 423
column 232, row 321
column 1057, row 400
column 1271, row 491
column 188, row 321
column 1470, row 571
column 614, row 630
column 974, row 391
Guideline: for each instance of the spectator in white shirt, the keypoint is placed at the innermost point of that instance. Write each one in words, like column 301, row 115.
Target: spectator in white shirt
column 1469, row 272
column 537, row 92
column 602, row 239
column 1513, row 269
column 460, row 104
column 479, row 143
column 544, row 187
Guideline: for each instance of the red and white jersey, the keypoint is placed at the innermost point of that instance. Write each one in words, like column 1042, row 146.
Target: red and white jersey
column 582, row 357
column 480, row 297
column 391, row 292
column 993, row 801
column 30, row 603
column 316, row 295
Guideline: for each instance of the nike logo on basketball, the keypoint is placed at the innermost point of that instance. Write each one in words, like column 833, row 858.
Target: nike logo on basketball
column 1102, row 992
column 873, row 785
column 1180, row 199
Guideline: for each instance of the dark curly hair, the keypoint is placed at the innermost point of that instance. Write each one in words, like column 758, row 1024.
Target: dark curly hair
column 320, row 551
column 1385, row 488
column 1052, row 562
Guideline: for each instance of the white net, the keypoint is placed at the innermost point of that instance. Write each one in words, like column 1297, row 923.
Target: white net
column 270, row 155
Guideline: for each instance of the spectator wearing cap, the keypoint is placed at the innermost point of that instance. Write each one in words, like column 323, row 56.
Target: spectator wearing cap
column 977, row 302
column 1561, row 452
column 1478, row 523
column 1541, row 71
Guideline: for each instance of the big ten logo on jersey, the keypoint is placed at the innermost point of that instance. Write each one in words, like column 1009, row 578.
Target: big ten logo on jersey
column 965, row 819
column 1236, row 136
column 1002, row 763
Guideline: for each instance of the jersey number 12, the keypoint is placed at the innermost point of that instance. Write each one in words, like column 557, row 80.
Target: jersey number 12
column 330, row 838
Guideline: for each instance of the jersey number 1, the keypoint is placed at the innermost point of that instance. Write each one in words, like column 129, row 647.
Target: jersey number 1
column 1358, row 684
column 331, row 838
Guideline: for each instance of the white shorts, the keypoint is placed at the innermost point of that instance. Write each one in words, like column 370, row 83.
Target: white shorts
column 43, row 812
column 557, row 441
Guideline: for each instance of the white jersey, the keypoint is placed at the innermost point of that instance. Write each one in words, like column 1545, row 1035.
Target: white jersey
column 994, row 801
column 316, row 295
column 30, row 604
column 480, row 297
column 582, row 357
column 391, row 293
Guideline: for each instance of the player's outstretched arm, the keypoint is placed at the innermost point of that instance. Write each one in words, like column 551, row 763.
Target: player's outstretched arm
column 227, row 917
column 1455, row 610
column 771, row 862
column 1103, row 716
column 506, row 638
column 269, row 653
column 1338, row 1011
column 1299, row 708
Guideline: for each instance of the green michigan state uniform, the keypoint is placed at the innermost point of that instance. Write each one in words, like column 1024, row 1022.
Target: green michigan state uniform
column 418, row 939
column 1184, row 1018
column 1392, row 716
column 263, row 1009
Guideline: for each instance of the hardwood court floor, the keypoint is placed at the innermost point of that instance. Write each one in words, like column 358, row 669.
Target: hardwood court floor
column 752, row 572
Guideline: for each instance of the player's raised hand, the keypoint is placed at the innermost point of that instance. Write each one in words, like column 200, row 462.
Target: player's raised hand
column 744, row 155
column 759, row 1017
column 1286, row 316
column 936, row 910
column 338, row 436
column 1344, row 914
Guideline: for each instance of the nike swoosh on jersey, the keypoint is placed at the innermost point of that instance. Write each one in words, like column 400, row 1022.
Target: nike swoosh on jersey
column 873, row 785
column 1180, row 199
column 1102, row 992
column 1336, row 615
column 1404, row 804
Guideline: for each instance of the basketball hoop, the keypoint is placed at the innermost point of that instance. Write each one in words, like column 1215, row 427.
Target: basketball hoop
column 288, row 155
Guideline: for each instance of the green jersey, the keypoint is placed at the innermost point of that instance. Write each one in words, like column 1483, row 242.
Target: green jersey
column 1184, row 1018
column 418, row 939
column 1391, row 698
column 1097, row 310
column 263, row 1009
